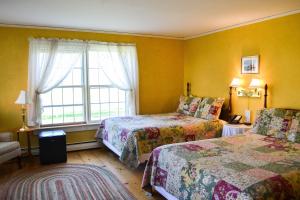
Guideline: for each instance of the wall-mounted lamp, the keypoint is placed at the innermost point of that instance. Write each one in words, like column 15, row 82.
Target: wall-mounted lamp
column 255, row 87
column 235, row 83
column 254, row 90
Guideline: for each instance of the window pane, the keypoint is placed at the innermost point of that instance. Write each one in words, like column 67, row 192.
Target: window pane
column 68, row 114
column 68, row 96
column 78, row 113
column 114, row 93
column 104, row 95
column 121, row 95
column 122, row 109
column 57, row 96
column 94, row 95
column 103, row 78
column 93, row 63
column 47, row 116
column 95, row 112
column 78, row 96
column 93, row 77
column 58, row 115
column 114, row 109
column 68, row 81
column 46, row 99
column 104, row 110
column 77, row 77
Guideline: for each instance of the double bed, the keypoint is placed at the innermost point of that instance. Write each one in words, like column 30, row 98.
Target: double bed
column 263, row 163
column 133, row 138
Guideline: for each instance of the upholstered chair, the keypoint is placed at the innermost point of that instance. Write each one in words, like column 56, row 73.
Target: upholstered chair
column 9, row 149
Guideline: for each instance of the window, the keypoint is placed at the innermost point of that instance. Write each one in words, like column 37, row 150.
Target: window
column 104, row 99
column 90, row 91
column 65, row 103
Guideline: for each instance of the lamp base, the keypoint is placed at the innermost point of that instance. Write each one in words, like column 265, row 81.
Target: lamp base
column 24, row 128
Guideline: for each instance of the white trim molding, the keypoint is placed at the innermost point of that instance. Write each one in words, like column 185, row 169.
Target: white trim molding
column 69, row 128
column 70, row 147
column 89, row 31
column 244, row 24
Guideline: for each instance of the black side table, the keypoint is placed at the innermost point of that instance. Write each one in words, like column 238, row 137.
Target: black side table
column 53, row 148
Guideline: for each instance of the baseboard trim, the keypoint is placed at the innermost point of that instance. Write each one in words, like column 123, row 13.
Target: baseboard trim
column 71, row 147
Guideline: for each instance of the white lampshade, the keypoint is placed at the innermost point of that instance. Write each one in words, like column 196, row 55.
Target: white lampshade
column 236, row 82
column 22, row 98
column 256, row 83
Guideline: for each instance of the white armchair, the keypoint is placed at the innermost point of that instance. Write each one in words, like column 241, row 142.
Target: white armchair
column 9, row 149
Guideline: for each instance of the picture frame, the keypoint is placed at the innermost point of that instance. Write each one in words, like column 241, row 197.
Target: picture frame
column 250, row 65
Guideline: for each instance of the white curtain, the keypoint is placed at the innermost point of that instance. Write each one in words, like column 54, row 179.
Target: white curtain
column 50, row 61
column 119, row 63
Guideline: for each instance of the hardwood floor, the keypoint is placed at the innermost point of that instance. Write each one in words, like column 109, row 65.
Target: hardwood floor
column 102, row 157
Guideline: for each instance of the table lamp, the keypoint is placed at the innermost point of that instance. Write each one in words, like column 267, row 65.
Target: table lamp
column 23, row 100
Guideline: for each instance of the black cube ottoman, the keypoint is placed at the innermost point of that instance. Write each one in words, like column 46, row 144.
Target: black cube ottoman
column 53, row 148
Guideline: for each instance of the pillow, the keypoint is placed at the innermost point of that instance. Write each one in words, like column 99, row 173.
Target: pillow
column 210, row 108
column 293, row 134
column 279, row 123
column 188, row 105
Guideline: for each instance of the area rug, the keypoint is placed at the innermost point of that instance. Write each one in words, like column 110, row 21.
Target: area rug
column 65, row 181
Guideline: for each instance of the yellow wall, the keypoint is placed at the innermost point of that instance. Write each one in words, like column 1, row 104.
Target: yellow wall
column 160, row 71
column 210, row 62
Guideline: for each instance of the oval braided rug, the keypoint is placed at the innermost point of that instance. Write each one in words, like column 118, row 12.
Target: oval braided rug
column 66, row 181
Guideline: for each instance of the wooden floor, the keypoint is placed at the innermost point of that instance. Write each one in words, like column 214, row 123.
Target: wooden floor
column 102, row 157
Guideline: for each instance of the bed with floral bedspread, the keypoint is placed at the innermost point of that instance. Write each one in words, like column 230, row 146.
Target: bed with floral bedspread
column 248, row 166
column 263, row 163
column 134, row 138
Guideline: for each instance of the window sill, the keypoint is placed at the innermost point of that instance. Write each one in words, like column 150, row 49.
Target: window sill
column 70, row 128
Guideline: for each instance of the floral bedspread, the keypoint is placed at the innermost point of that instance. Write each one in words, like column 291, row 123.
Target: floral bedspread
column 136, row 136
column 247, row 166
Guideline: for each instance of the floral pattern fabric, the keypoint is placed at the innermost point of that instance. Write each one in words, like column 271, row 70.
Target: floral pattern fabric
column 210, row 108
column 247, row 166
column 280, row 123
column 135, row 137
column 188, row 105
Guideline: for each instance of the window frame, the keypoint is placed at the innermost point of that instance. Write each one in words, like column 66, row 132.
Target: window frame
column 87, row 114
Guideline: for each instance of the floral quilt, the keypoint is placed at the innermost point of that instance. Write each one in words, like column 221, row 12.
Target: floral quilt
column 246, row 166
column 136, row 136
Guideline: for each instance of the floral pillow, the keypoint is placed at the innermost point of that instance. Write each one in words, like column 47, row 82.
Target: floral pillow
column 210, row 108
column 279, row 123
column 293, row 134
column 188, row 105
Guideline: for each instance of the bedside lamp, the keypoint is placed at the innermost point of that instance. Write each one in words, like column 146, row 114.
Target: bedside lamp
column 256, row 83
column 235, row 83
column 255, row 86
column 23, row 100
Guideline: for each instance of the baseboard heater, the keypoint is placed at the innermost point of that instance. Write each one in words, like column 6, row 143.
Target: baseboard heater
column 72, row 147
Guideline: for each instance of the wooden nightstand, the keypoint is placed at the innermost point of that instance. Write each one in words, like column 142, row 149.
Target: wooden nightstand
column 28, row 133
column 234, row 129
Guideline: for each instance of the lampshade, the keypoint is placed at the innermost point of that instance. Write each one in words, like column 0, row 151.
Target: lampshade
column 256, row 83
column 22, row 98
column 236, row 82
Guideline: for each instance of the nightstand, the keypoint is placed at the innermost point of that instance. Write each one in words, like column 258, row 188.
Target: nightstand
column 53, row 148
column 28, row 133
column 234, row 129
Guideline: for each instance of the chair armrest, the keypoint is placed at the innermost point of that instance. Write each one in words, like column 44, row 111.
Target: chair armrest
column 5, row 137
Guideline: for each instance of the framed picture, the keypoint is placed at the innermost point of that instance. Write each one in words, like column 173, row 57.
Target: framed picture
column 250, row 64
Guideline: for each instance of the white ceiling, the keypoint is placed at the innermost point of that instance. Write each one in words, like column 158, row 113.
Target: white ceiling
column 174, row 18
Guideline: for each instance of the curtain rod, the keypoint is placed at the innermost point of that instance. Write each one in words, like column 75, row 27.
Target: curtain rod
column 81, row 41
